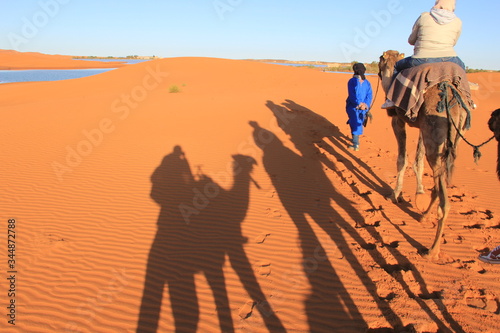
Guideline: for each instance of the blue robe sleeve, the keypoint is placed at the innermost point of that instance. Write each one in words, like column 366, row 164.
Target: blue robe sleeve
column 352, row 87
column 369, row 94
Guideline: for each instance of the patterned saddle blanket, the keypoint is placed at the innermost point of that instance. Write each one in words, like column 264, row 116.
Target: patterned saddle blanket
column 408, row 89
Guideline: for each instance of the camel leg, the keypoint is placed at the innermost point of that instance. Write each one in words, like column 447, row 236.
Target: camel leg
column 418, row 167
column 432, row 204
column 437, row 193
column 444, row 205
column 421, row 199
column 433, row 153
column 435, row 141
column 398, row 126
column 443, row 172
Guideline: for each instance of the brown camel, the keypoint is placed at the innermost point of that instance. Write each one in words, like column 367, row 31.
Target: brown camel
column 438, row 141
column 494, row 125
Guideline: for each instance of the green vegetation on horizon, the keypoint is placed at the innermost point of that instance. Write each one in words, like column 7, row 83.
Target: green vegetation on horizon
column 372, row 68
column 113, row 57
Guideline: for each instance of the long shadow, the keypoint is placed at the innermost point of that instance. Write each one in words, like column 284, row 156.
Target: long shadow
column 304, row 190
column 306, row 128
column 172, row 184
column 199, row 225
column 296, row 121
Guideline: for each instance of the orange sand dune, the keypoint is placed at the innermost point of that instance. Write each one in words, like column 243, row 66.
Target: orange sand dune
column 232, row 205
column 10, row 59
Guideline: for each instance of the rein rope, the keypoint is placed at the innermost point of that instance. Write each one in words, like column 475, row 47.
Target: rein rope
column 376, row 92
column 445, row 105
column 369, row 114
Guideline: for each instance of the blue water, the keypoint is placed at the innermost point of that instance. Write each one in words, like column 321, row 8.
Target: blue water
column 34, row 75
column 127, row 61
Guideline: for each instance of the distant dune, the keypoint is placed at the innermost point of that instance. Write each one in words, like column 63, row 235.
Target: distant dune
column 231, row 204
column 10, row 59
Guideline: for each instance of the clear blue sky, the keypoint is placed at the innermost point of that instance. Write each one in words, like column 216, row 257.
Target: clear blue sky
column 325, row 30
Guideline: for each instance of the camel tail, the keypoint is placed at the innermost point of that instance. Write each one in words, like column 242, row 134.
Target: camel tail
column 449, row 157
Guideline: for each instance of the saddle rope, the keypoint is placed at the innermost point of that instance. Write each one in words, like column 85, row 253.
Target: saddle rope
column 369, row 114
column 445, row 105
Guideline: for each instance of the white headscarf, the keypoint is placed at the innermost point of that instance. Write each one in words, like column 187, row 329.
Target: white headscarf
column 446, row 5
column 443, row 11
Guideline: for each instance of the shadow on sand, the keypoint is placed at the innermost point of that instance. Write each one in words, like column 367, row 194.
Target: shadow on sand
column 199, row 225
column 306, row 192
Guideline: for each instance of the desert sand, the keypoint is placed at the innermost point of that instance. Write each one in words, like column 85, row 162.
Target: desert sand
column 232, row 204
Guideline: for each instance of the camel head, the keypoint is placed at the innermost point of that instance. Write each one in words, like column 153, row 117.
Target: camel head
column 243, row 163
column 386, row 67
column 243, row 166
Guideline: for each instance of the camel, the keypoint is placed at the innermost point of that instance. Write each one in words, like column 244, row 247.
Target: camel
column 438, row 141
column 494, row 125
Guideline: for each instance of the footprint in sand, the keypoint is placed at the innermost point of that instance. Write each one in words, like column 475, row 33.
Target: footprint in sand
column 261, row 238
column 385, row 293
column 479, row 218
column 391, row 242
column 263, row 267
column 271, row 194
column 372, row 216
column 246, row 310
column 273, row 212
column 483, row 302
column 458, row 239
column 481, row 248
column 474, row 266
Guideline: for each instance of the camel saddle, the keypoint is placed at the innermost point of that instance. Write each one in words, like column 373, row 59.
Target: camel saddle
column 408, row 88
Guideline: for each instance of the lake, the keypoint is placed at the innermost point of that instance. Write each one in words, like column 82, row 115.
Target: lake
column 127, row 61
column 34, row 75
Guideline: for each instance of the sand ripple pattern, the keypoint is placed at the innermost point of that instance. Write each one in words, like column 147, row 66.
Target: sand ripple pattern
column 232, row 205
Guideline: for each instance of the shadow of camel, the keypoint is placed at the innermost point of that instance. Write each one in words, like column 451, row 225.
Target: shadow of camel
column 199, row 225
column 305, row 191
column 307, row 129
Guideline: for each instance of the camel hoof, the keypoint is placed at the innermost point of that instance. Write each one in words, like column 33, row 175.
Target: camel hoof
column 438, row 257
column 396, row 198
column 431, row 255
column 426, row 222
column 422, row 201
